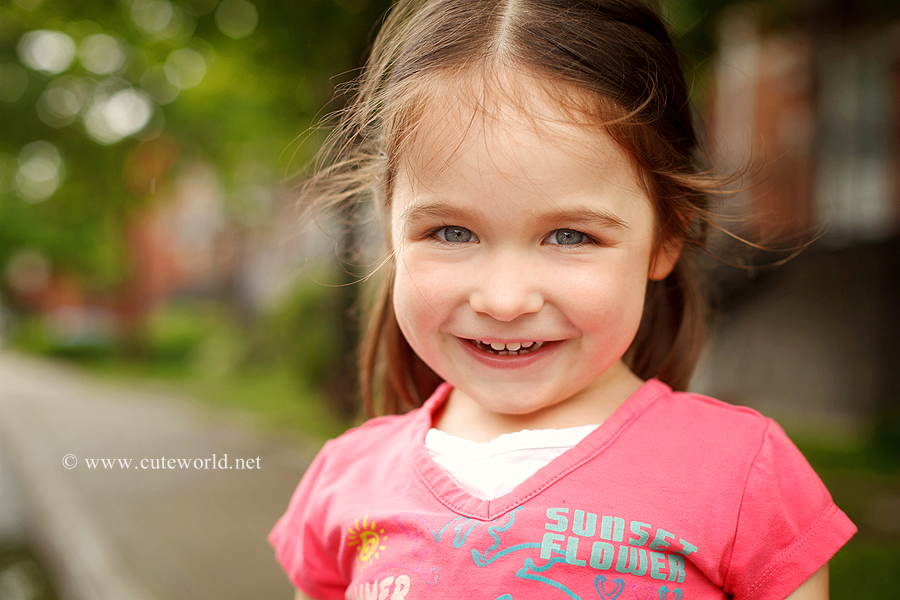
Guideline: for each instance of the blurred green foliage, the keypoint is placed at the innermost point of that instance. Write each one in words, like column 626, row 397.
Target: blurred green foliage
column 259, row 92
column 198, row 336
column 866, row 569
column 300, row 332
column 865, row 484
column 277, row 365
column 22, row 574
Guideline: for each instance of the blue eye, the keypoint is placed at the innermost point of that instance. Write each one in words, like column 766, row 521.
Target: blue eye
column 455, row 235
column 566, row 237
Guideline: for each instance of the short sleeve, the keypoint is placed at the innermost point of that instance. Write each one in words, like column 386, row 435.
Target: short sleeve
column 788, row 525
column 301, row 543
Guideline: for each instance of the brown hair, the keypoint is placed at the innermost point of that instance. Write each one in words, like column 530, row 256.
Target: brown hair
column 622, row 63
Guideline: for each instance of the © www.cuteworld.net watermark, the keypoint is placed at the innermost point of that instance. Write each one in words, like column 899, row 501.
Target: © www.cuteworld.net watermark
column 70, row 461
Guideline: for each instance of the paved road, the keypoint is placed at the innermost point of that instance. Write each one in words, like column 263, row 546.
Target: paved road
column 133, row 533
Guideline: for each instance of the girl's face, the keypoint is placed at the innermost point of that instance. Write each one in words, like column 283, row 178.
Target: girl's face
column 523, row 245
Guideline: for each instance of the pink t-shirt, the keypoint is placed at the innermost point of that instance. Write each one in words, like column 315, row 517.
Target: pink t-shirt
column 675, row 497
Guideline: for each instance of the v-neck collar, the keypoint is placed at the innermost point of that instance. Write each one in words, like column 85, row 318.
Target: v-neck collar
column 460, row 501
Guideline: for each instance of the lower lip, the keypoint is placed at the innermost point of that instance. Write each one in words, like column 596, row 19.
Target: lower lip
column 507, row 361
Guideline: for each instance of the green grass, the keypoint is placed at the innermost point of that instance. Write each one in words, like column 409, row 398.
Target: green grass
column 866, row 569
column 22, row 574
column 273, row 394
column 865, row 483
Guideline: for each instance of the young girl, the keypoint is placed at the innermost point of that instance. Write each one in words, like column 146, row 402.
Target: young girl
column 534, row 165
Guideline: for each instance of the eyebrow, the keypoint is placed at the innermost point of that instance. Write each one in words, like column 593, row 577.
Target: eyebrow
column 574, row 216
column 433, row 210
column 585, row 215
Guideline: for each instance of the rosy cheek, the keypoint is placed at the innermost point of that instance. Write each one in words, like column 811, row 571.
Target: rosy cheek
column 402, row 301
column 413, row 297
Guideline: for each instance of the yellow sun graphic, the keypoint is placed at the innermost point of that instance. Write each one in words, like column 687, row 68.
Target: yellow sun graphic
column 368, row 537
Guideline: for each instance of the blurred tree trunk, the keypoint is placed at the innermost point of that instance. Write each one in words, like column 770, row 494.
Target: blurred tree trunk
column 886, row 438
column 343, row 382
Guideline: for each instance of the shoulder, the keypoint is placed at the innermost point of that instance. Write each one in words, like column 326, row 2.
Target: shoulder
column 701, row 411
column 390, row 431
column 699, row 405
column 380, row 434
column 705, row 426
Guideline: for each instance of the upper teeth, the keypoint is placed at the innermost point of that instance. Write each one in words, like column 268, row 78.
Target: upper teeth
column 512, row 346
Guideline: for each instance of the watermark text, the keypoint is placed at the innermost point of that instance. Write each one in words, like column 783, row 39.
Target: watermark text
column 214, row 462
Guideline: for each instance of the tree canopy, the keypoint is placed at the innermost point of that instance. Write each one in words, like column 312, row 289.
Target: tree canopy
column 102, row 101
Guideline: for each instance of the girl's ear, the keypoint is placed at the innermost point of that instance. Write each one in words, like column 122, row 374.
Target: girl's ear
column 663, row 260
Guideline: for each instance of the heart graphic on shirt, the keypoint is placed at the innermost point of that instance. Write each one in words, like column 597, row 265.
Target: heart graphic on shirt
column 603, row 586
column 640, row 592
column 664, row 594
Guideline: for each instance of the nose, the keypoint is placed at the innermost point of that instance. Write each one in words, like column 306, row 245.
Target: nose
column 506, row 290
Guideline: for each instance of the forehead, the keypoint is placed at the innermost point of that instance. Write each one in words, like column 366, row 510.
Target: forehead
column 512, row 128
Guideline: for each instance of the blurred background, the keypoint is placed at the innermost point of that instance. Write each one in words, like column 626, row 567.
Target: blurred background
column 158, row 295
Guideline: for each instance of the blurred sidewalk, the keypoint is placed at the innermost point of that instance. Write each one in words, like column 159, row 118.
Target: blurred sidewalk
column 122, row 534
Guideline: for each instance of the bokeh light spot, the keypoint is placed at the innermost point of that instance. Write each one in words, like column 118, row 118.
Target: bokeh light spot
column 128, row 111
column 62, row 100
column 102, row 54
column 110, row 118
column 29, row 5
column 237, row 18
column 40, row 171
column 155, row 83
column 152, row 16
column 46, row 51
column 28, row 271
column 185, row 68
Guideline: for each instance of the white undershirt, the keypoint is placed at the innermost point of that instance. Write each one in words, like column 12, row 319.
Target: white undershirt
column 492, row 469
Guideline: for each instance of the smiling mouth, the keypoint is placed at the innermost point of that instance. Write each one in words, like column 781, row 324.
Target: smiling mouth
column 506, row 349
